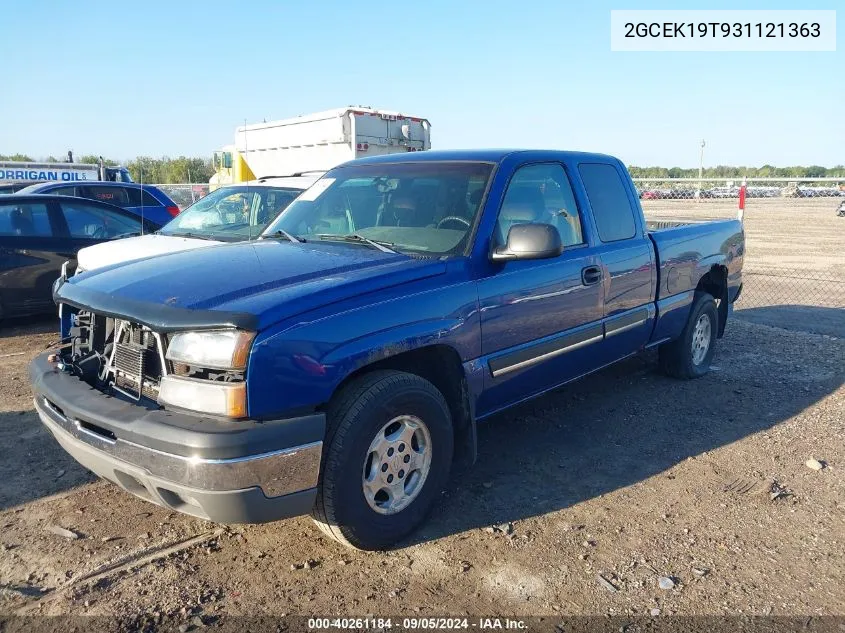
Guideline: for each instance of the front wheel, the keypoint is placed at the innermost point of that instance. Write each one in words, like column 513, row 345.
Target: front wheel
column 689, row 356
column 388, row 451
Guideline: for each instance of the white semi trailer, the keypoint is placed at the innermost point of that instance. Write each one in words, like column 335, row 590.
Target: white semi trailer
column 317, row 142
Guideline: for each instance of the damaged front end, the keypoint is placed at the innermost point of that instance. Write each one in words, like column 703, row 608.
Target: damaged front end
column 110, row 353
column 156, row 355
column 153, row 399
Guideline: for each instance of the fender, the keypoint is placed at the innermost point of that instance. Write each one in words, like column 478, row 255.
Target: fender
column 300, row 365
column 377, row 346
column 460, row 381
column 705, row 266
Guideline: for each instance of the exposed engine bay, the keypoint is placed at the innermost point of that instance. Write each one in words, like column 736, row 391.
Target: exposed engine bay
column 116, row 354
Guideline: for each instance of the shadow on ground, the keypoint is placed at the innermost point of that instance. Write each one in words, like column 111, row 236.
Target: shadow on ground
column 818, row 320
column 625, row 424
column 608, row 431
column 26, row 326
column 33, row 464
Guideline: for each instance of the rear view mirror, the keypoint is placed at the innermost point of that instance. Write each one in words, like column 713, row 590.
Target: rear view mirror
column 529, row 241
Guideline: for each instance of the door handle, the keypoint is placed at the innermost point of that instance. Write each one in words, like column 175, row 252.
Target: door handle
column 591, row 275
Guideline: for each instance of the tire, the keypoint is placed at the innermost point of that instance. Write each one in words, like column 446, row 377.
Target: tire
column 365, row 415
column 683, row 358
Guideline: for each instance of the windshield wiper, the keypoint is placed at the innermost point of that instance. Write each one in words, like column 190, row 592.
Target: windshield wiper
column 356, row 237
column 285, row 234
column 195, row 236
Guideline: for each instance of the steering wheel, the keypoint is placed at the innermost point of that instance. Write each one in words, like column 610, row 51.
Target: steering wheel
column 99, row 233
column 453, row 218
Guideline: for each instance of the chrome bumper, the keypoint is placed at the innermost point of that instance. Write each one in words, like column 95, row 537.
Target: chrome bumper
column 136, row 467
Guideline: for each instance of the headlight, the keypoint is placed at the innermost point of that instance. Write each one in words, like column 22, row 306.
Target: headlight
column 214, row 397
column 215, row 349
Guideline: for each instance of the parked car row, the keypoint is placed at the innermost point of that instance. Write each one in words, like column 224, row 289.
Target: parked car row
column 812, row 192
column 40, row 231
column 229, row 214
column 146, row 201
column 751, row 191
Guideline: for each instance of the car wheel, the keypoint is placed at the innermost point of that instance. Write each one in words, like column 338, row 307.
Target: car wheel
column 386, row 458
column 690, row 355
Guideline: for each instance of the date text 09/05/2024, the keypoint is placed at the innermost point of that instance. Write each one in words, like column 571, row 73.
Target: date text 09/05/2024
column 418, row 623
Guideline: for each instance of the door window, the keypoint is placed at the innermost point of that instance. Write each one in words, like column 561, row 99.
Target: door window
column 119, row 196
column 25, row 220
column 63, row 191
column 89, row 221
column 541, row 194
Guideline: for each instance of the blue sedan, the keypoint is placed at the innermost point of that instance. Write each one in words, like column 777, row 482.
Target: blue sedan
column 146, row 201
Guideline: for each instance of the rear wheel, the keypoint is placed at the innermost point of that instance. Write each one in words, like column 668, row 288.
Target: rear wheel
column 689, row 356
column 388, row 452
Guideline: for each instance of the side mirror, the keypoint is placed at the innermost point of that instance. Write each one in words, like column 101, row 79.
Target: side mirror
column 529, row 241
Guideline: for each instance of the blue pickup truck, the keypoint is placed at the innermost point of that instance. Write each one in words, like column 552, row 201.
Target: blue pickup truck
column 339, row 365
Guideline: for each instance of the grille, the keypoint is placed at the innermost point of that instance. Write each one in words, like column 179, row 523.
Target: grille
column 130, row 386
column 136, row 363
column 129, row 359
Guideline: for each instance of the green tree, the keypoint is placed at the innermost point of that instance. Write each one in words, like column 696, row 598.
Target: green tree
column 19, row 157
column 90, row 159
column 815, row 171
column 145, row 169
column 167, row 170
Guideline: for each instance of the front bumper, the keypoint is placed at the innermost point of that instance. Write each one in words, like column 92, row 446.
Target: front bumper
column 223, row 471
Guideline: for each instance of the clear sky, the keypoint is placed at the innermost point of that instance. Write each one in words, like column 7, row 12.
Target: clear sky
column 157, row 78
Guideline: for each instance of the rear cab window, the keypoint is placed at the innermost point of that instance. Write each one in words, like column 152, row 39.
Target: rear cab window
column 148, row 199
column 612, row 210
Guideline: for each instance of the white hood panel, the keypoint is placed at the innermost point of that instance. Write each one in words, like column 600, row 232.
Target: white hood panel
column 132, row 248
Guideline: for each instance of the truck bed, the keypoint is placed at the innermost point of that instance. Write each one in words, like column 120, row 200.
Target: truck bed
column 660, row 225
column 688, row 250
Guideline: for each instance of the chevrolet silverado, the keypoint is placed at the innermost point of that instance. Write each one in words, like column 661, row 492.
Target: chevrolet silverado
column 339, row 365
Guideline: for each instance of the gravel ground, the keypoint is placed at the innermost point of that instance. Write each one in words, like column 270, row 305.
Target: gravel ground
column 794, row 269
column 801, row 234
column 581, row 502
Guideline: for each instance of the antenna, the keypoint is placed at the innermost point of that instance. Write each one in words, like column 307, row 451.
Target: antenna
column 246, row 152
column 141, row 193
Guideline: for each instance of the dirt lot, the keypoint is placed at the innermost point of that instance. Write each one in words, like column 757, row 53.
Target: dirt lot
column 782, row 233
column 795, row 258
column 596, row 490
column 629, row 475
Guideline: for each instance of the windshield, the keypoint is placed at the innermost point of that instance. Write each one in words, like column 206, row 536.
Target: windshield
column 231, row 214
column 425, row 207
